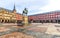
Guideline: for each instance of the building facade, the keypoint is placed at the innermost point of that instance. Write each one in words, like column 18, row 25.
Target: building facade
column 19, row 17
column 9, row 16
column 50, row 17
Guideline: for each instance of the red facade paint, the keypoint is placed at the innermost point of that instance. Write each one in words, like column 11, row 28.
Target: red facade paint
column 18, row 16
column 47, row 16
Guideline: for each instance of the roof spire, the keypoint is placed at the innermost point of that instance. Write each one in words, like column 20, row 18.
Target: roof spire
column 14, row 7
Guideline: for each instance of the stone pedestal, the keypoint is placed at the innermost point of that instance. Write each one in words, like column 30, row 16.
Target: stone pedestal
column 26, row 20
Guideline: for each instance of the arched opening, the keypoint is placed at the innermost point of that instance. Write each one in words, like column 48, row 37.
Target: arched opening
column 47, row 21
column 40, row 21
column 51, row 21
column 43, row 21
column 34, row 21
column 31, row 20
column 2, row 21
column 58, row 21
column 5, row 21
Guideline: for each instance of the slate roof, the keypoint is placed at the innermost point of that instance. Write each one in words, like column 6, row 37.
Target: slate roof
column 5, row 9
column 10, row 11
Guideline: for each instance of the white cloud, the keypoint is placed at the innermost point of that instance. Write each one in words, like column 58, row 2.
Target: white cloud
column 34, row 6
column 53, row 5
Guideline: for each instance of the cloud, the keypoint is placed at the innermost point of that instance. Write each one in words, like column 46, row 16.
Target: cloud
column 53, row 5
column 32, row 5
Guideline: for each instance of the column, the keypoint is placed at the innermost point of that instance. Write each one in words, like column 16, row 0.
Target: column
column 3, row 21
column 45, row 21
column 16, row 21
column 7, row 21
column 0, row 20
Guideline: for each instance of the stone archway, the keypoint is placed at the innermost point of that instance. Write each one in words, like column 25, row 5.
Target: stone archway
column 40, row 21
column 0, row 20
column 47, row 21
column 58, row 21
column 43, row 21
column 51, row 21
column 31, row 20
column 5, row 21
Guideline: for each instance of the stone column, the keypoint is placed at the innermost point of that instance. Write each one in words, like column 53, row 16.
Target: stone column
column 1, row 20
column 7, row 21
column 45, row 21
column 4, row 21
column 16, row 21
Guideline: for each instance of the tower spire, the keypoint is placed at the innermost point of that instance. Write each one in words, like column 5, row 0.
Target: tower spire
column 14, row 9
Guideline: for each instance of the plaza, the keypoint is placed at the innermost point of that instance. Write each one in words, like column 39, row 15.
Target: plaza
column 47, row 29
column 17, row 23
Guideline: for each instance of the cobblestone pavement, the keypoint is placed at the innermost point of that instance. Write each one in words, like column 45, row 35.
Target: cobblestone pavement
column 38, row 27
column 35, row 30
column 49, row 28
column 16, row 35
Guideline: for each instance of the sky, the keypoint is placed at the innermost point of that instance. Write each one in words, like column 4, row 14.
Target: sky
column 33, row 6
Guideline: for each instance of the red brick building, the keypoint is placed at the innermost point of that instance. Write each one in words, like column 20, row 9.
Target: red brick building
column 53, row 16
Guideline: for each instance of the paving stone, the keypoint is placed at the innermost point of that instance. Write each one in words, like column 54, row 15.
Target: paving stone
column 28, row 32
column 56, row 36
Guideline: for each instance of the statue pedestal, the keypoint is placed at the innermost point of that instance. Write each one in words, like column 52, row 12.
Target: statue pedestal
column 25, row 20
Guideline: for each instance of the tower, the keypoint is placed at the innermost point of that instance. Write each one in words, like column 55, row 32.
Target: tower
column 14, row 12
column 14, row 9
